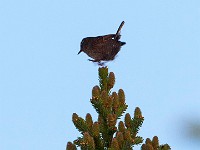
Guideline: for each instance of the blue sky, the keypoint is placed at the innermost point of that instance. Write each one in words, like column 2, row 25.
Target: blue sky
column 43, row 80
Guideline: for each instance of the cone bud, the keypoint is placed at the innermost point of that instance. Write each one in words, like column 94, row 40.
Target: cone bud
column 128, row 120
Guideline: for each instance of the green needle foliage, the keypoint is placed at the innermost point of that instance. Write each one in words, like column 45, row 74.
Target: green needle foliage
column 106, row 133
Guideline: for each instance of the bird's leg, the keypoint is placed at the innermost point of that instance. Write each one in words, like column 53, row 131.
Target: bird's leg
column 94, row 60
column 101, row 63
column 91, row 60
column 98, row 61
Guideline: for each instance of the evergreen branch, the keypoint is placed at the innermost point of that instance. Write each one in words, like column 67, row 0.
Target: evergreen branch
column 138, row 140
column 103, row 78
column 98, row 106
column 121, row 110
column 99, row 135
column 79, row 123
column 136, row 123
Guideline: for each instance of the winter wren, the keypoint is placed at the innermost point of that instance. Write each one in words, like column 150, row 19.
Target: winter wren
column 102, row 48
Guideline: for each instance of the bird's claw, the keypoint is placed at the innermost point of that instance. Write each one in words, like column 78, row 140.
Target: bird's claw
column 98, row 62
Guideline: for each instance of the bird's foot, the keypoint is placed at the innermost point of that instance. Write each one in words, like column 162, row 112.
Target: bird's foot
column 98, row 62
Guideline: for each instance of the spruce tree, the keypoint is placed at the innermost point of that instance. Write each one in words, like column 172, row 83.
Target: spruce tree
column 108, row 132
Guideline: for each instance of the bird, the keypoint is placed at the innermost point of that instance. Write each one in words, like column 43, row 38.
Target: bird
column 102, row 48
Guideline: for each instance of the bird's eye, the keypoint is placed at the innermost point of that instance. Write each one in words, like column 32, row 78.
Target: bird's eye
column 82, row 41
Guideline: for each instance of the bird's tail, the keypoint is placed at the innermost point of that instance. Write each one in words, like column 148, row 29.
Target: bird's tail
column 117, row 36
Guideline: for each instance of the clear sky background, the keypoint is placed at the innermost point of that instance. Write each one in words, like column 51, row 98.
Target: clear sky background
column 43, row 80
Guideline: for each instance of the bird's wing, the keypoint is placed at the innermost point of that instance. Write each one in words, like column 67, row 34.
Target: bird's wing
column 105, row 38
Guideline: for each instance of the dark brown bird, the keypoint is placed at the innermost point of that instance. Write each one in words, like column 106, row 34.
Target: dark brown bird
column 102, row 48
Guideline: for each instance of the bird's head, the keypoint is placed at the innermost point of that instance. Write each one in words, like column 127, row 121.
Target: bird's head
column 84, row 45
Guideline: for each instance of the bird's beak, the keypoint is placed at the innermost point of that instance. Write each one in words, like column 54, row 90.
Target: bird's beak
column 79, row 51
